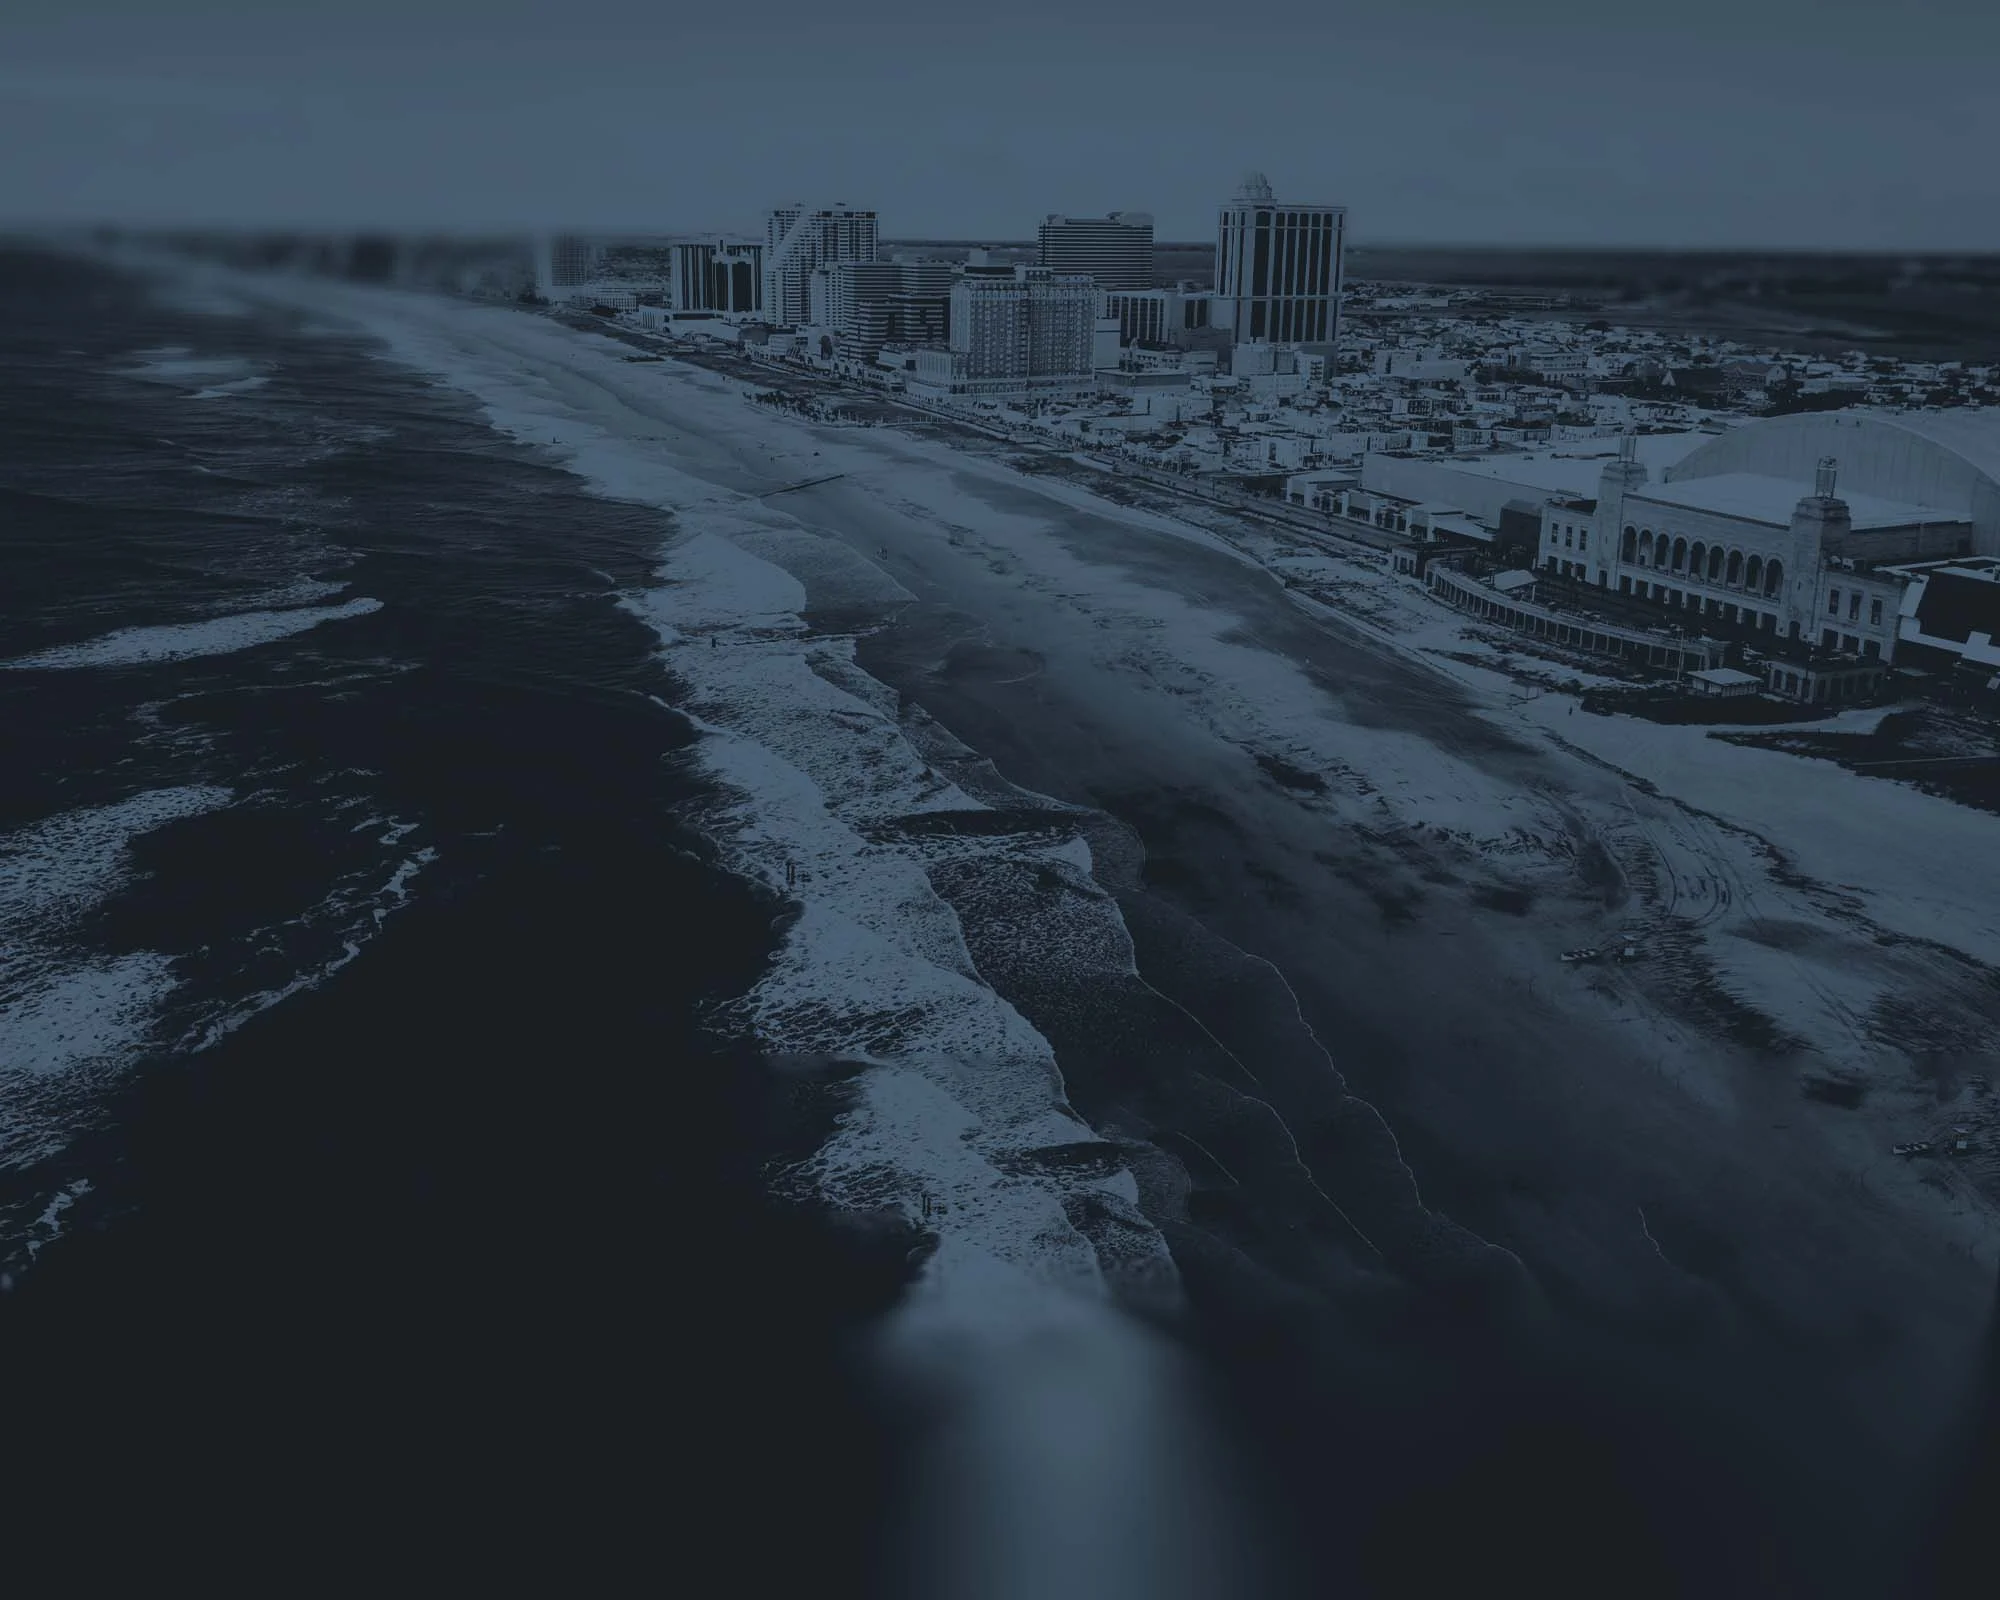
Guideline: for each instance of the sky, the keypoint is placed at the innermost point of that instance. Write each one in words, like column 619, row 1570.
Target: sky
column 1810, row 124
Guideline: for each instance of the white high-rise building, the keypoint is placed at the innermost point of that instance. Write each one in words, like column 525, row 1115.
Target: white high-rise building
column 565, row 261
column 1278, row 268
column 798, row 240
column 1015, row 330
column 1116, row 250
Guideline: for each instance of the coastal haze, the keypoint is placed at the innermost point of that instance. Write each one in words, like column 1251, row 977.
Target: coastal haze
column 1794, row 124
column 634, row 925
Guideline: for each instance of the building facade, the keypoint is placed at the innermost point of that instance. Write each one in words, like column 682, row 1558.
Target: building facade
column 1156, row 316
column 565, row 261
column 1023, row 322
column 1116, row 250
column 725, row 275
column 1014, row 331
column 1749, row 553
column 1279, row 268
column 869, row 304
column 798, row 240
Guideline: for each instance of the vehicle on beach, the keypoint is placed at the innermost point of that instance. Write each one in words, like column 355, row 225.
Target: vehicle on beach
column 1587, row 954
column 1918, row 1147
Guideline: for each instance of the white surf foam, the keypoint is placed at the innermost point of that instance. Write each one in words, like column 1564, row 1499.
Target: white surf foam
column 54, row 870
column 48, row 1226
column 355, row 911
column 61, row 1011
column 875, row 968
column 90, row 1013
column 299, row 592
column 181, row 641
column 1011, row 1326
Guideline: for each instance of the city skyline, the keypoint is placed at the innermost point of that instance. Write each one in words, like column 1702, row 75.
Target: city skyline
column 1829, row 126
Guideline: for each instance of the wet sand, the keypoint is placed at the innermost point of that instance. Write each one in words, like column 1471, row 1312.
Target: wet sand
column 1637, row 1253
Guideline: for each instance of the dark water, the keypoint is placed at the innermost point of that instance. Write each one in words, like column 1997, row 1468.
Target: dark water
column 462, row 1242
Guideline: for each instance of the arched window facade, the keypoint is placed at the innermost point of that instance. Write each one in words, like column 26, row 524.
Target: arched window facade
column 1645, row 547
column 1774, row 577
column 1753, row 574
column 1734, row 575
column 1680, row 558
column 1698, row 559
column 1715, row 559
column 1631, row 549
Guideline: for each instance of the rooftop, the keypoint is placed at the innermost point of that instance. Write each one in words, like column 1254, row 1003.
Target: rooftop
column 1985, row 568
column 1726, row 677
column 1759, row 498
column 1575, row 466
column 1972, row 432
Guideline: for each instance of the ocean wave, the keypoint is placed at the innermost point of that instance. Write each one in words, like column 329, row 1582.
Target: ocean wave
column 74, row 1020
column 173, row 365
column 182, row 641
column 350, row 916
column 959, row 1093
column 205, row 296
column 84, row 1015
column 819, row 788
column 63, row 1010
column 297, row 593
column 222, row 391
column 54, row 870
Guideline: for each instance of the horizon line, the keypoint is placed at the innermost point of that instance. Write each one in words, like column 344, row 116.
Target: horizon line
column 17, row 227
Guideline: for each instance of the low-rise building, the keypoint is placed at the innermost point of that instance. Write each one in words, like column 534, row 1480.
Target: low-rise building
column 1762, row 553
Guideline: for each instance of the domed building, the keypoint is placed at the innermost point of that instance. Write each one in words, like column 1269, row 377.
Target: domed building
column 1822, row 538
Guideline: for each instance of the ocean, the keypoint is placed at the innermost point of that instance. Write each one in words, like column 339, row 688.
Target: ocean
column 358, row 1113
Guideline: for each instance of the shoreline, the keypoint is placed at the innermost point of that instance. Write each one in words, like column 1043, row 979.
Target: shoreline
column 1357, row 826
column 1200, row 522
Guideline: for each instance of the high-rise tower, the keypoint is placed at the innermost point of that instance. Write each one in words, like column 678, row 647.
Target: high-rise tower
column 1116, row 250
column 797, row 241
column 1278, row 267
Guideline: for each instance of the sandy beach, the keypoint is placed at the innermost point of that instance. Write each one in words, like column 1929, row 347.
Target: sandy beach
column 1212, row 934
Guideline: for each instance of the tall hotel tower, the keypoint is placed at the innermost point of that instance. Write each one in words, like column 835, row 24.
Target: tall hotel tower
column 798, row 240
column 1278, row 268
column 565, row 261
column 1116, row 250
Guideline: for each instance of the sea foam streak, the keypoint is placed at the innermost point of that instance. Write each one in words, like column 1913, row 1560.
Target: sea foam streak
column 1011, row 1330
column 812, row 759
column 181, row 641
column 59, row 1009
